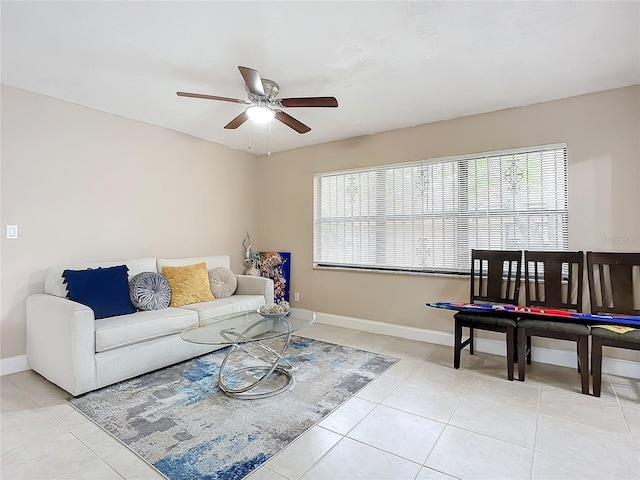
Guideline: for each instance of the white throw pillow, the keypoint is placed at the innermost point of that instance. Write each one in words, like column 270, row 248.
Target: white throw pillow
column 223, row 282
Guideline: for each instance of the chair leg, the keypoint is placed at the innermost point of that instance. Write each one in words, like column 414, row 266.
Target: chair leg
column 578, row 352
column 583, row 359
column 596, row 364
column 528, row 349
column 457, row 347
column 471, row 342
column 511, row 348
column 522, row 352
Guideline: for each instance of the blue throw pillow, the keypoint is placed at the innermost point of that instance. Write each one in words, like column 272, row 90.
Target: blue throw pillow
column 104, row 290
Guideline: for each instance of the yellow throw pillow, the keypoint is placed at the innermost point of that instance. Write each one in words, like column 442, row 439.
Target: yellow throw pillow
column 189, row 284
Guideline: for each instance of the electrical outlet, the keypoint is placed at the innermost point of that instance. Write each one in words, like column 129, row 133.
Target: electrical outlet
column 296, row 297
column 12, row 232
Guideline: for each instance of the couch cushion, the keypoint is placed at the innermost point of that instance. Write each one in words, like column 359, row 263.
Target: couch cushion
column 104, row 290
column 223, row 282
column 114, row 332
column 212, row 261
column 149, row 291
column 189, row 284
column 53, row 281
column 222, row 306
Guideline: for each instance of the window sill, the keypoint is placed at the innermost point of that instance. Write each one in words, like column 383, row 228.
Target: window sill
column 393, row 272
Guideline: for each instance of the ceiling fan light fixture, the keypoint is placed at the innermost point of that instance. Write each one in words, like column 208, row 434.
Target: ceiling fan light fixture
column 260, row 114
column 263, row 106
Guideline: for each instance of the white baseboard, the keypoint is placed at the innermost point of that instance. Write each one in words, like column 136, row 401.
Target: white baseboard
column 13, row 365
column 563, row 358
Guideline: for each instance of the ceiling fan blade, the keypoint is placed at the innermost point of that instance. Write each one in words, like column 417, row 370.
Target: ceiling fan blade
column 288, row 120
column 236, row 122
column 211, row 97
column 309, row 102
column 253, row 80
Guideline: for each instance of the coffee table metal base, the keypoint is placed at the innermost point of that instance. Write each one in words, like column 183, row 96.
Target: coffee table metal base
column 273, row 364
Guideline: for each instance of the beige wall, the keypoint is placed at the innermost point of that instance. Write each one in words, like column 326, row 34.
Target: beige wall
column 83, row 185
column 603, row 141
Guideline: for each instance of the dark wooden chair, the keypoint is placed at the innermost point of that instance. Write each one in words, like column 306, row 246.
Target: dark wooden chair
column 495, row 278
column 614, row 279
column 554, row 280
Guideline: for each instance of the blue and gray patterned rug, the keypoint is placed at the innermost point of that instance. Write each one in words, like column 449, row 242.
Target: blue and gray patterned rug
column 179, row 421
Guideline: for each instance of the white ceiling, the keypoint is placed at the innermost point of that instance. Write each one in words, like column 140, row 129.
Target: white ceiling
column 389, row 64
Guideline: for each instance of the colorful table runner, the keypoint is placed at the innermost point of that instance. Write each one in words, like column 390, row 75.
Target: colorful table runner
column 627, row 320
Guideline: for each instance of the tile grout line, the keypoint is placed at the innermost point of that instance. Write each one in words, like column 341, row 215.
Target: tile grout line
column 44, row 408
column 84, row 466
column 338, row 433
column 535, row 435
column 378, row 404
column 457, row 407
column 383, row 451
column 583, row 425
column 321, row 457
column 447, row 424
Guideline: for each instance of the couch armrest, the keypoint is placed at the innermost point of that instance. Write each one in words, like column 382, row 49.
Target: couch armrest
column 252, row 285
column 61, row 342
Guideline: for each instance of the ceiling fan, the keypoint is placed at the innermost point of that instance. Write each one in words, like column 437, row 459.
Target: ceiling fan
column 263, row 105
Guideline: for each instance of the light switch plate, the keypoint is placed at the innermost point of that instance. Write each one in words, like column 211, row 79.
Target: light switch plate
column 12, row 232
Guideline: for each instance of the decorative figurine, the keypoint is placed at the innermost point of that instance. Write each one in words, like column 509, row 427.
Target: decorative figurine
column 250, row 258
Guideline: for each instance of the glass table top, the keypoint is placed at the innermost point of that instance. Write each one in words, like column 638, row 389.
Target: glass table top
column 244, row 327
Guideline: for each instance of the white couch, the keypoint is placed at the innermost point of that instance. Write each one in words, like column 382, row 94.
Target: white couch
column 66, row 345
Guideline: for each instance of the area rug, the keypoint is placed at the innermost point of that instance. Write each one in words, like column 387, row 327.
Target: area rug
column 178, row 420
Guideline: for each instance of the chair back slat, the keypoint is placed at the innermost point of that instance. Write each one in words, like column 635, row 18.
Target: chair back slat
column 614, row 282
column 621, row 278
column 494, row 279
column 553, row 282
column 495, row 276
column 554, row 279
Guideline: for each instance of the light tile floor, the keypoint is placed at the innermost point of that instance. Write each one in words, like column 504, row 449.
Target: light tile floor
column 420, row 420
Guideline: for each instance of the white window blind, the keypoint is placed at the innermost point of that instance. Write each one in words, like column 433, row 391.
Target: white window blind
column 427, row 215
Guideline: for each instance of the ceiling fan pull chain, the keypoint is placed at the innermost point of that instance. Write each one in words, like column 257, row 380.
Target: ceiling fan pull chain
column 250, row 130
column 269, row 152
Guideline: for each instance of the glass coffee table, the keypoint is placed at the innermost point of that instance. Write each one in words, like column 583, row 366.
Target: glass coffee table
column 247, row 334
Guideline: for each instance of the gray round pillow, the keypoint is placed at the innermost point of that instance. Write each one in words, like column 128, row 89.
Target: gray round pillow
column 149, row 291
column 223, row 282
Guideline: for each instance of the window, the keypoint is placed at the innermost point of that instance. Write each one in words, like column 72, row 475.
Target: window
column 426, row 216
